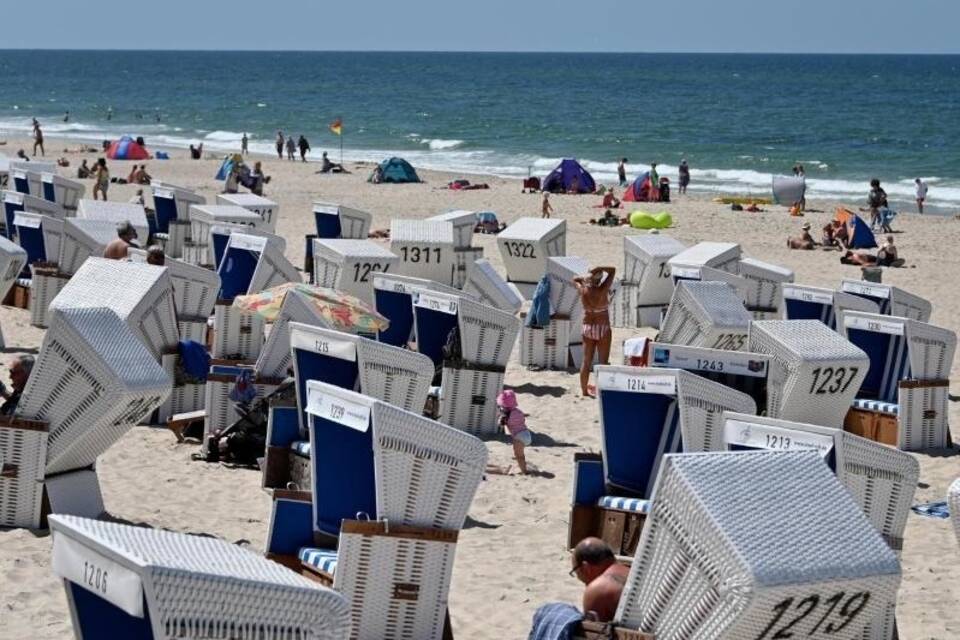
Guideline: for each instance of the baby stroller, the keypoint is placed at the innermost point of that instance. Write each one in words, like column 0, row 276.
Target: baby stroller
column 664, row 189
column 531, row 185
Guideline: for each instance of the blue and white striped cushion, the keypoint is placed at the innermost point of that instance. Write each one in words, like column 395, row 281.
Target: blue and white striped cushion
column 624, row 504
column 324, row 560
column 301, row 448
column 875, row 405
column 24, row 282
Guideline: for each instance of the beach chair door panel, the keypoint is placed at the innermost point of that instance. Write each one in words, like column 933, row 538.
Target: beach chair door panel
column 236, row 272
column 11, row 209
column 95, row 617
column 328, row 225
column 397, row 307
column 432, row 329
column 166, row 212
column 218, row 243
column 332, row 369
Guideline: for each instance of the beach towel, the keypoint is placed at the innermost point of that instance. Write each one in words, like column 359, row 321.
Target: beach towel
column 932, row 510
column 539, row 315
column 555, row 621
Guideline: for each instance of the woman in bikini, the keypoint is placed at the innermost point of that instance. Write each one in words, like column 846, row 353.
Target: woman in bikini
column 594, row 291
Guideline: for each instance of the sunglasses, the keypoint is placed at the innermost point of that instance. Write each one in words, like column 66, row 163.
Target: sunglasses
column 573, row 572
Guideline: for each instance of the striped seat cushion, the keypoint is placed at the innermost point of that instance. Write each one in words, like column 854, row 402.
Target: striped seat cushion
column 890, row 408
column 301, row 448
column 24, row 282
column 624, row 504
column 324, row 560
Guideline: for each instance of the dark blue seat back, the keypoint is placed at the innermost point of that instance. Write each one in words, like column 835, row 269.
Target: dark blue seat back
column 806, row 310
column 397, row 307
column 308, row 365
column 433, row 327
column 21, row 185
column 889, row 363
column 11, row 209
column 328, row 225
column 236, row 271
column 49, row 192
column 219, row 241
column 31, row 240
column 98, row 618
column 166, row 209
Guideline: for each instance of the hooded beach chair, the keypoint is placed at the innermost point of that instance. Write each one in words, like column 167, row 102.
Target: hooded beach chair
column 464, row 223
column 414, row 478
column 83, row 239
column 424, row 248
column 828, row 576
column 645, row 286
column 739, row 370
column 63, row 191
column 27, row 182
column 706, row 314
column 565, row 309
column 276, row 358
column 92, row 381
column 802, row 302
column 393, row 299
column 489, row 287
column 125, row 581
column 140, row 294
column 219, row 236
column 117, row 213
column 171, row 219
column 351, row 265
column 904, row 399
column 14, row 203
column 469, row 383
column 891, row 300
column 12, row 261
column 723, row 256
column 525, row 246
column 680, row 273
column 334, row 221
column 204, row 216
column 815, row 373
column 764, row 282
column 39, row 235
column 644, row 414
column 268, row 210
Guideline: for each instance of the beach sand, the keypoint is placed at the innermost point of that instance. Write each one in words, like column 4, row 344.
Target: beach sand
column 512, row 555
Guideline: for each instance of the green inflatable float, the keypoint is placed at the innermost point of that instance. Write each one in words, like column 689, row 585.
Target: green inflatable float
column 644, row 220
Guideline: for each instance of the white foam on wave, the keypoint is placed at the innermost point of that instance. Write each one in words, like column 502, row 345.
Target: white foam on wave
column 439, row 144
column 223, row 136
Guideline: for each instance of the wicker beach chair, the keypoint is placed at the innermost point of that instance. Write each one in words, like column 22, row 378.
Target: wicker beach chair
column 644, row 414
column 205, row 216
column 220, row 234
column 351, row 265
column 268, row 210
column 724, row 256
column 140, row 294
column 525, row 246
column 646, row 287
column 393, row 299
column 171, row 219
column 802, row 302
column 27, row 182
column 892, row 301
column 124, row 581
column 464, row 256
column 334, row 221
column 13, row 259
column 814, row 372
column 83, row 239
column 706, row 314
column 425, row 249
column 489, row 287
column 14, row 203
column 40, row 236
column 276, row 357
column 764, row 287
column 93, row 380
column 194, row 289
column 63, row 191
column 680, row 273
column 711, row 564
column 904, row 399
column 116, row 213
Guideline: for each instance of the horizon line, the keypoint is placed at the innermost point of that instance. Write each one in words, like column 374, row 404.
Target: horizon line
column 487, row 51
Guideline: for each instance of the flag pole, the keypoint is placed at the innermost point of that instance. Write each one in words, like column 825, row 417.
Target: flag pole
column 341, row 140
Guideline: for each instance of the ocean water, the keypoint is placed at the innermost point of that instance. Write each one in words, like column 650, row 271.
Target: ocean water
column 737, row 119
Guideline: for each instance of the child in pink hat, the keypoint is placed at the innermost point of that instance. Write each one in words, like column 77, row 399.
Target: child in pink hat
column 516, row 423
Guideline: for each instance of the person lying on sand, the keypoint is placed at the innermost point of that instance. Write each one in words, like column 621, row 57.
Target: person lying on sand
column 609, row 219
column 804, row 241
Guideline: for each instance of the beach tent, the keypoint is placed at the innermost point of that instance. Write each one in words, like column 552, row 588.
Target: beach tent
column 126, row 148
column 788, row 190
column 560, row 179
column 395, row 170
column 861, row 237
column 639, row 190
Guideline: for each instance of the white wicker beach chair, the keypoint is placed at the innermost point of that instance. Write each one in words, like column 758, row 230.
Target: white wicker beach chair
column 63, row 191
column 83, row 239
column 740, row 370
column 268, row 210
column 351, row 265
column 561, row 271
column 425, row 249
column 184, row 397
column 891, row 300
column 45, row 285
column 216, row 242
column 644, row 414
column 802, row 302
column 646, row 287
column 724, row 256
column 334, row 221
column 251, row 264
column 116, row 213
column 172, row 202
column 953, row 501
column 276, row 358
column 194, row 289
column 907, row 383
column 814, row 372
column 525, row 246
column 140, row 294
column 682, row 273
column 41, row 236
column 491, row 288
column 27, row 181
column 547, row 347
column 236, row 335
column 137, row 582
column 764, row 283
column 464, row 223
column 393, row 299
column 14, row 203
column 204, row 216
column 13, row 259
column 706, row 314
column 713, row 564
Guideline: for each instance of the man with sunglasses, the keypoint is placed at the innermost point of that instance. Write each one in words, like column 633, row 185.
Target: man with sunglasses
column 595, row 565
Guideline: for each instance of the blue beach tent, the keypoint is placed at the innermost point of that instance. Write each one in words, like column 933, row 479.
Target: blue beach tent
column 561, row 179
column 396, row 170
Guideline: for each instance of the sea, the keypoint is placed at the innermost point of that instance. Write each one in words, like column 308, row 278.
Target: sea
column 738, row 120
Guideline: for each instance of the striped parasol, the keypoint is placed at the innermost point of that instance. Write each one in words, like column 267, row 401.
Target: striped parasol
column 343, row 311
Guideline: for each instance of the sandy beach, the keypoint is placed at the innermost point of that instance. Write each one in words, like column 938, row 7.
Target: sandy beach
column 511, row 557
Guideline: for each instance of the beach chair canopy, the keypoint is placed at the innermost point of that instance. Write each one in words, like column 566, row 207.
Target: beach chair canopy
column 395, row 170
column 562, row 179
column 126, row 148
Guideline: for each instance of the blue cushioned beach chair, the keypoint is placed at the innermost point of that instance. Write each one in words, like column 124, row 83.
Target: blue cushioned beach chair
column 393, row 299
column 39, row 236
column 891, row 301
column 220, row 234
column 802, row 302
column 335, row 221
column 251, row 264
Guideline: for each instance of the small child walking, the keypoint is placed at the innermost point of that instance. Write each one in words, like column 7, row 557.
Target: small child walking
column 516, row 423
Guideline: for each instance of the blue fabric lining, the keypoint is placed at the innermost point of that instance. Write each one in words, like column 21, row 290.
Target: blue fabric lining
column 397, row 307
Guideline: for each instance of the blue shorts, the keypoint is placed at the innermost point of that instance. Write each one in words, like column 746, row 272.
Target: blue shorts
column 524, row 437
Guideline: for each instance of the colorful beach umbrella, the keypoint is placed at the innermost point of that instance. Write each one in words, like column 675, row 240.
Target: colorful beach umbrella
column 342, row 311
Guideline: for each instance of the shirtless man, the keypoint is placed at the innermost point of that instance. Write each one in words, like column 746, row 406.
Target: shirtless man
column 594, row 291
column 117, row 249
column 595, row 565
column 545, row 208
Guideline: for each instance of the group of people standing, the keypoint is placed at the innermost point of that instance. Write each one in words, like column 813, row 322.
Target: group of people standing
column 291, row 146
column 683, row 175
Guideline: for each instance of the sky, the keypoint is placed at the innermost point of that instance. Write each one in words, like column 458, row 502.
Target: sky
column 732, row 26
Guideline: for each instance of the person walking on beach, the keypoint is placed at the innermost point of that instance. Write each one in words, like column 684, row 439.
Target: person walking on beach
column 244, row 142
column 545, row 208
column 515, row 422
column 280, row 141
column 876, row 200
column 594, row 289
column 37, row 138
column 684, row 176
column 921, row 194
column 622, row 172
column 101, row 179
column 291, row 149
column 304, row 147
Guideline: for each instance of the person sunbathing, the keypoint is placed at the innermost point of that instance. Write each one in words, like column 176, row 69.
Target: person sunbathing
column 595, row 565
column 804, row 241
column 858, row 258
column 610, row 200
column 330, row 167
column 117, row 249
